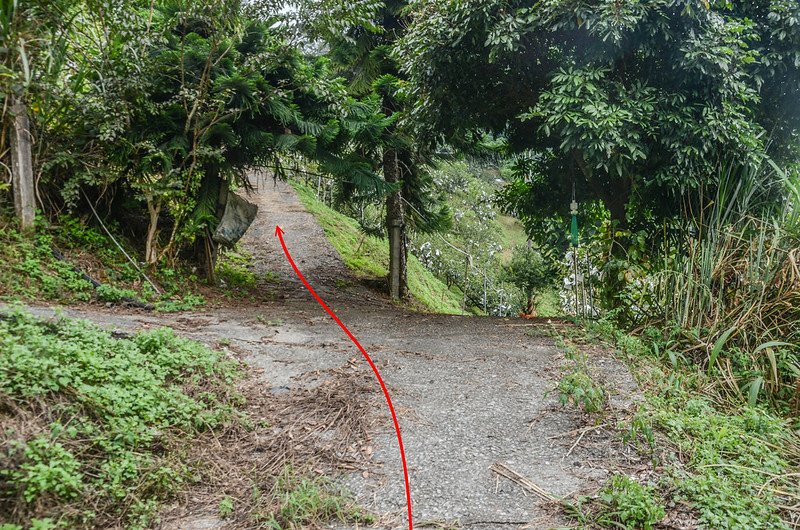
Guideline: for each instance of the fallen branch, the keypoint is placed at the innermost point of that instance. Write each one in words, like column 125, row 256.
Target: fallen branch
column 574, row 445
column 506, row 472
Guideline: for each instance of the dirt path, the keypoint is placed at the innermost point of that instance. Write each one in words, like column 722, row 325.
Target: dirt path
column 470, row 391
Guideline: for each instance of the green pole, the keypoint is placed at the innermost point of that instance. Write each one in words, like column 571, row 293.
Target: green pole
column 574, row 231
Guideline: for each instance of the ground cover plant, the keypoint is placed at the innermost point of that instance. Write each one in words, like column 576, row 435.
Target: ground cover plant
column 733, row 466
column 621, row 503
column 93, row 425
column 72, row 261
column 96, row 426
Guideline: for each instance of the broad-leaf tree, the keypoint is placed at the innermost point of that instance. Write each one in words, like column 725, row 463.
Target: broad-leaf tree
column 631, row 103
column 161, row 107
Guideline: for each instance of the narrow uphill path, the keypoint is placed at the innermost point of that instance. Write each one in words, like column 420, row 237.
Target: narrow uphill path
column 470, row 392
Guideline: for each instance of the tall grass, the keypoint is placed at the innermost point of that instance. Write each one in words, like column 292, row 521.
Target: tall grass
column 732, row 291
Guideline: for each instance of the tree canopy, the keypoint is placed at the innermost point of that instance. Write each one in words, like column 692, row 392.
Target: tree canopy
column 166, row 103
column 633, row 102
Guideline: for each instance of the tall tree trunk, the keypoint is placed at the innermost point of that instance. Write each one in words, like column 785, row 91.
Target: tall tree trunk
column 403, row 261
column 395, row 226
column 22, row 166
column 150, row 244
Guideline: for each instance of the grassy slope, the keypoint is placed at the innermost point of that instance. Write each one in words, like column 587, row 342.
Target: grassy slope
column 734, row 465
column 368, row 256
column 512, row 233
column 31, row 273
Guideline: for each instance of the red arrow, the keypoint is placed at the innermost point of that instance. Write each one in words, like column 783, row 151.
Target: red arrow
column 279, row 233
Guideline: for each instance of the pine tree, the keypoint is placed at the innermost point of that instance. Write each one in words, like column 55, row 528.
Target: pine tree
column 360, row 41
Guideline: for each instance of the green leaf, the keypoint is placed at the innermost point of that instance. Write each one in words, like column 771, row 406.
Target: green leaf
column 717, row 349
column 755, row 388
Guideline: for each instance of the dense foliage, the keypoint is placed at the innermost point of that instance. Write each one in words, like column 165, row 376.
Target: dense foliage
column 174, row 118
column 633, row 103
column 88, row 417
column 360, row 40
column 485, row 254
column 674, row 125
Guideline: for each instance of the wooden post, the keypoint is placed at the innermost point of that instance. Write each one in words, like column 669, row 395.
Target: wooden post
column 22, row 166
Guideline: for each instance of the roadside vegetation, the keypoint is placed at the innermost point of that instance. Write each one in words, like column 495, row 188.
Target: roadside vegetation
column 95, row 427
column 633, row 164
column 71, row 261
column 97, row 430
column 720, row 464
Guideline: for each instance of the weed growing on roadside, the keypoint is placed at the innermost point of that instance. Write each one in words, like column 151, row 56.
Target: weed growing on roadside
column 30, row 270
column 232, row 269
column 225, row 507
column 732, row 472
column 91, row 421
column 185, row 303
column 630, row 504
column 111, row 293
column 303, row 501
column 639, row 431
column 579, row 389
column 622, row 503
column 736, row 462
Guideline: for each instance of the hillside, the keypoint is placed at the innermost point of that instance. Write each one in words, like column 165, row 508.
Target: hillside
column 368, row 256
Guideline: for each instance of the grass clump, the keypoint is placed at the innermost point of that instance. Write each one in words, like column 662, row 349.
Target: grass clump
column 301, row 501
column 368, row 256
column 735, row 465
column 93, row 426
column 579, row 389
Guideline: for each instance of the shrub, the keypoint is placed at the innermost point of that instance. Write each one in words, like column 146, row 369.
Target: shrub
column 110, row 293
